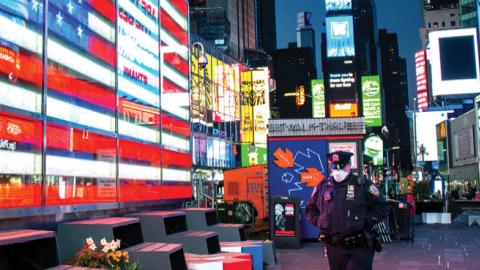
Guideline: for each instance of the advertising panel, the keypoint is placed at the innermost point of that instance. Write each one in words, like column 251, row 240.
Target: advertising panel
column 284, row 224
column 372, row 101
column 247, row 107
column 261, row 109
column 463, row 144
column 253, row 155
column 295, row 167
column 426, row 133
column 300, row 95
column 422, row 79
column 350, row 147
column 336, row 5
column 374, row 148
column 477, row 122
column 342, row 87
column 343, row 110
column 340, row 38
column 318, row 99
column 454, row 62
column 316, row 127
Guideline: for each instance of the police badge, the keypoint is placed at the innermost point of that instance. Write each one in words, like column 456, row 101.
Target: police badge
column 374, row 190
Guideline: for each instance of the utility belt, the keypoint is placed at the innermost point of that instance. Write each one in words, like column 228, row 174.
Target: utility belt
column 360, row 239
column 351, row 241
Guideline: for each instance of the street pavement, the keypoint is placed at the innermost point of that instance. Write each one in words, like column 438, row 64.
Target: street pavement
column 435, row 247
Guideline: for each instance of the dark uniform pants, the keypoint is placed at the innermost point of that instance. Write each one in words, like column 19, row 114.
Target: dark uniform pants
column 357, row 259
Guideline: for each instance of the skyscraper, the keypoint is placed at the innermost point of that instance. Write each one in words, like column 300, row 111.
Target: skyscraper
column 266, row 26
column 294, row 69
column 305, row 32
column 239, row 27
column 395, row 84
column 469, row 13
column 439, row 15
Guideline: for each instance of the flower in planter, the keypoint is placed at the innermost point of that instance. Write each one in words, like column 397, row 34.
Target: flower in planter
column 107, row 257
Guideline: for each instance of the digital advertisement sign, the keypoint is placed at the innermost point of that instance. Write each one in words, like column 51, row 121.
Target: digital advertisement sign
column 340, row 38
column 255, row 106
column 426, row 134
column 422, row 79
column 336, row 5
column 284, row 224
column 343, row 110
column 454, row 62
column 252, row 155
column 318, row 99
column 372, row 101
column 342, row 87
column 373, row 147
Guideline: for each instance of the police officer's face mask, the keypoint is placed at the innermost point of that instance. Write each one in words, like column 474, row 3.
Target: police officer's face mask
column 339, row 175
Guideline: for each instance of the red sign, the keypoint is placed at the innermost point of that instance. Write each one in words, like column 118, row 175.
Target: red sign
column 422, row 81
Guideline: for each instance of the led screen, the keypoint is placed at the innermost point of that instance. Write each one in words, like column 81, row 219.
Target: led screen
column 372, row 101
column 335, row 5
column 318, row 99
column 454, row 62
column 426, row 133
column 340, row 38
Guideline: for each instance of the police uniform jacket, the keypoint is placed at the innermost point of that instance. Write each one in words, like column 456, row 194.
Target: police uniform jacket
column 344, row 208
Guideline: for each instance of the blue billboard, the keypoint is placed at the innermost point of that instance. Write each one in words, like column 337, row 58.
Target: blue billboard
column 336, row 5
column 295, row 167
column 340, row 37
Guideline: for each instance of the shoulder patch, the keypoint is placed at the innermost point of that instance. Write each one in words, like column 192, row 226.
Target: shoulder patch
column 374, row 190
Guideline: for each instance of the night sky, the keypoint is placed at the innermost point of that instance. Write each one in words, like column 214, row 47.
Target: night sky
column 401, row 17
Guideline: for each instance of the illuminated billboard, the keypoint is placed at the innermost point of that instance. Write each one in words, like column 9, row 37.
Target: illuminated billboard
column 261, row 110
column 372, row 101
column 343, row 109
column 342, row 87
column 252, row 155
column 426, row 133
column 318, row 99
column 454, row 62
column 336, row 5
column 340, row 38
column 373, row 147
column 422, row 79
column 255, row 106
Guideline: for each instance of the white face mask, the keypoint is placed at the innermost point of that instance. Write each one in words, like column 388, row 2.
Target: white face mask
column 339, row 175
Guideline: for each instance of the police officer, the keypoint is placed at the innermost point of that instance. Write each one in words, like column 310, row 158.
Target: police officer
column 345, row 207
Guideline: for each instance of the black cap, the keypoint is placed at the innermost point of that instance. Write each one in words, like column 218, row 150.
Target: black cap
column 339, row 158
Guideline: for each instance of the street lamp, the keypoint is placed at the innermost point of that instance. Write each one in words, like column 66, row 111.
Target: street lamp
column 202, row 58
column 202, row 63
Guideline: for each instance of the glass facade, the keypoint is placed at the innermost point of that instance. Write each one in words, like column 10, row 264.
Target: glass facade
column 109, row 120
column 215, row 109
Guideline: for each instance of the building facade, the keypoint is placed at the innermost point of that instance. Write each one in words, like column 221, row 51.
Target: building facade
column 294, row 69
column 240, row 16
column 440, row 15
column 266, row 26
column 469, row 13
column 91, row 120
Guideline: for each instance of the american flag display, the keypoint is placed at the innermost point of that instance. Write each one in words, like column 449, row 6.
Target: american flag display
column 117, row 100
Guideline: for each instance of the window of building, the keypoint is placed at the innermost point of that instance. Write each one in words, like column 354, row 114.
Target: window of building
column 443, row 24
column 435, row 25
column 429, row 25
column 453, row 23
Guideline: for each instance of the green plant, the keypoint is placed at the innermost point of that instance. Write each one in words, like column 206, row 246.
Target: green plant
column 107, row 257
column 421, row 190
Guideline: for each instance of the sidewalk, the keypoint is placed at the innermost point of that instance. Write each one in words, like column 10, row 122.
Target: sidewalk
column 435, row 247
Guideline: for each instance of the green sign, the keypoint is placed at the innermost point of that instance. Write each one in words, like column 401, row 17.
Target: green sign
column 374, row 148
column 318, row 99
column 372, row 101
column 253, row 155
